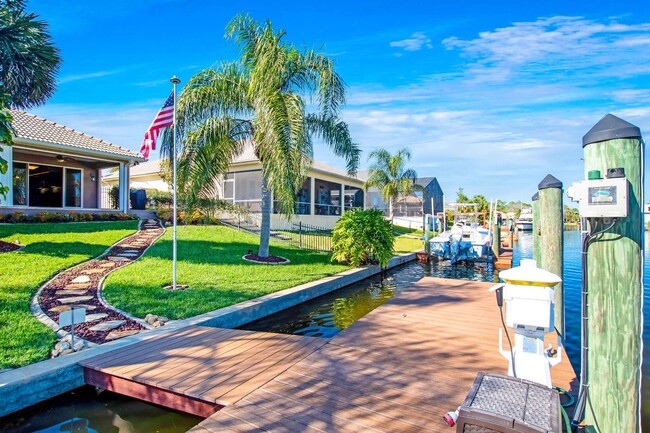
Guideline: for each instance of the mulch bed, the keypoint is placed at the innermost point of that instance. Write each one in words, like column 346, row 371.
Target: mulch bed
column 268, row 260
column 7, row 247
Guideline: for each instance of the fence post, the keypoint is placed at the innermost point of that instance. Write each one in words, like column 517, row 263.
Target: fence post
column 300, row 234
column 615, row 289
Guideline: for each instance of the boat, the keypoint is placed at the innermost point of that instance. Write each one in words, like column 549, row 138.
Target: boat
column 525, row 220
column 464, row 241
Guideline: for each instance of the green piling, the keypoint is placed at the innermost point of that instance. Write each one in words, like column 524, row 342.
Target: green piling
column 537, row 245
column 615, row 289
column 551, row 238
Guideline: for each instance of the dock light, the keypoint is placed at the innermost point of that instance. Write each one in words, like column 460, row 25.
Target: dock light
column 530, row 300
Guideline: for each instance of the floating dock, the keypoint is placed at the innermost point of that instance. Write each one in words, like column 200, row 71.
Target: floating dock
column 398, row 369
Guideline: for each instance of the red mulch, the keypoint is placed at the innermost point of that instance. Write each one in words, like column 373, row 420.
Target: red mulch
column 7, row 247
column 269, row 259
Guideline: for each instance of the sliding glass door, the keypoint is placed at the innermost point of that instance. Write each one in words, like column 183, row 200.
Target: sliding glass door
column 37, row 185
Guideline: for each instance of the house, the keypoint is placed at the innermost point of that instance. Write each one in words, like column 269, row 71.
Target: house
column 429, row 200
column 58, row 169
column 319, row 200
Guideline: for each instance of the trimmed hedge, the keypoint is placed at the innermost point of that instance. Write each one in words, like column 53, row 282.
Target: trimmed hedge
column 57, row 217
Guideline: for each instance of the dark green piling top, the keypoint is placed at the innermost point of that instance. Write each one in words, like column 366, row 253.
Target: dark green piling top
column 535, row 196
column 549, row 181
column 610, row 127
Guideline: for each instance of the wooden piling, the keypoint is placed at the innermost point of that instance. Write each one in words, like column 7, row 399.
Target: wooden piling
column 496, row 240
column 537, row 252
column 615, row 288
column 551, row 239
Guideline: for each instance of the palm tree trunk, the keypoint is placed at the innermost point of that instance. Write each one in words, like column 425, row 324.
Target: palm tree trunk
column 390, row 209
column 265, row 229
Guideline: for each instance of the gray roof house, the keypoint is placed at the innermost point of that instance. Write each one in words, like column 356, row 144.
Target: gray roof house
column 56, row 168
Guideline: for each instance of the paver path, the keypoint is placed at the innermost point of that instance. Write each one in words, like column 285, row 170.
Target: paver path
column 78, row 287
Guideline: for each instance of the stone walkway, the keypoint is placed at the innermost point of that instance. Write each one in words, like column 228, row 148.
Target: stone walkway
column 79, row 287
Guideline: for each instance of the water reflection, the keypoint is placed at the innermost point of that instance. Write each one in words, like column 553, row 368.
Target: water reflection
column 82, row 411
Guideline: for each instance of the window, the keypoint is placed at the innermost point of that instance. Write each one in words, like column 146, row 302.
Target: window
column 72, row 187
column 20, row 184
column 303, row 200
column 39, row 185
column 328, row 198
column 45, row 186
column 248, row 190
column 353, row 198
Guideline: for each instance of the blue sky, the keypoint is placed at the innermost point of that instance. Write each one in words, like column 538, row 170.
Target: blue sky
column 489, row 96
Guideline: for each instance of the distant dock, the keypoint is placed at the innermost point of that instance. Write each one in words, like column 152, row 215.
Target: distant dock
column 397, row 369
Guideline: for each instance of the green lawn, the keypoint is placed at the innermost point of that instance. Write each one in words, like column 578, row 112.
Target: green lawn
column 209, row 260
column 49, row 249
column 407, row 244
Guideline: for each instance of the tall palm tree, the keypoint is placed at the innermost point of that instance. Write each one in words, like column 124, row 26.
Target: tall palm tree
column 259, row 100
column 388, row 173
column 28, row 65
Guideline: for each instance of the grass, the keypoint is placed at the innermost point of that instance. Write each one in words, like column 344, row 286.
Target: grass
column 49, row 248
column 209, row 261
column 405, row 230
column 407, row 244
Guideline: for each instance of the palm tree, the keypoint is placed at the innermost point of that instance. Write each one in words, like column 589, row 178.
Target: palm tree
column 389, row 174
column 28, row 59
column 259, row 100
column 28, row 64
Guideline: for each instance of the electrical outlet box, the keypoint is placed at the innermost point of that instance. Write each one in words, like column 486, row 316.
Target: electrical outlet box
column 601, row 198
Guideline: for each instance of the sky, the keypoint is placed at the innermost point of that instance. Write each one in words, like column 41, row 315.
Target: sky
column 489, row 97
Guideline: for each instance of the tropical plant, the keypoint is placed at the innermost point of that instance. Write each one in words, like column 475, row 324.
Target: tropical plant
column 388, row 173
column 259, row 101
column 28, row 65
column 362, row 237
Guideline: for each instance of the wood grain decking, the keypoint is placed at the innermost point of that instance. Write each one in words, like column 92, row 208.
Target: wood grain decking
column 398, row 369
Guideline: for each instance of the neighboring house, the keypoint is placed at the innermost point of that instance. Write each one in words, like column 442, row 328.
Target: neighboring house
column 58, row 169
column 319, row 200
column 414, row 204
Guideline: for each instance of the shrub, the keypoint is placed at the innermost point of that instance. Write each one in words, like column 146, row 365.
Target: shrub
column 114, row 197
column 161, row 199
column 363, row 237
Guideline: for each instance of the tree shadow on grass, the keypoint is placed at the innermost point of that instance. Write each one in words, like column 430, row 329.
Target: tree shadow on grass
column 63, row 249
column 206, row 252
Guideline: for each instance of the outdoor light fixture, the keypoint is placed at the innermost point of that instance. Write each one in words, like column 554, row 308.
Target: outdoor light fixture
column 93, row 177
column 60, row 158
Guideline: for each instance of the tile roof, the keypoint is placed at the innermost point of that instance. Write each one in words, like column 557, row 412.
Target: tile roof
column 31, row 127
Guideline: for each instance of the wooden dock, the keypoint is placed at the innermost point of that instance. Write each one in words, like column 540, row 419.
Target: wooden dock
column 398, row 369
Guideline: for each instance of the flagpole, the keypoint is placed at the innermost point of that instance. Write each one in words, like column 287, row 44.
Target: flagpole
column 175, row 81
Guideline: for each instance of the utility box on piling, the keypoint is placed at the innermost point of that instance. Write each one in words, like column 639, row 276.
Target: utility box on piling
column 611, row 201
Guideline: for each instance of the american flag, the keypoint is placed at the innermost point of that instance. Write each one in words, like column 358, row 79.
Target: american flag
column 163, row 119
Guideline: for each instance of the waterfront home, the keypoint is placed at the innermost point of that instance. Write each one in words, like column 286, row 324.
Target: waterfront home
column 325, row 195
column 429, row 200
column 55, row 168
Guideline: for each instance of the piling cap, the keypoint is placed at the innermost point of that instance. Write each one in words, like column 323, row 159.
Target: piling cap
column 528, row 274
column 549, row 181
column 535, row 196
column 610, row 127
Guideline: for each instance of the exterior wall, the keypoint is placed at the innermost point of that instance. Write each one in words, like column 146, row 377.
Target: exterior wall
column 433, row 190
column 89, row 187
column 6, row 179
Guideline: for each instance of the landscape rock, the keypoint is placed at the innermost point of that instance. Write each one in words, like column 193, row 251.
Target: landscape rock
column 60, row 309
column 82, row 279
column 150, row 318
column 95, row 317
column 114, row 335
column 74, row 299
column 77, row 286
column 118, row 259
column 94, row 271
column 68, row 292
column 108, row 326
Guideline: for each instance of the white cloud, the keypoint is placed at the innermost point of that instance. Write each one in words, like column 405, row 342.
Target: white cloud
column 414, row 43
column 90, row 75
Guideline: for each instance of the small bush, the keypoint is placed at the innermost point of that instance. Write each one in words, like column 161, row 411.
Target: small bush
column 363, row 237
column 55, row 217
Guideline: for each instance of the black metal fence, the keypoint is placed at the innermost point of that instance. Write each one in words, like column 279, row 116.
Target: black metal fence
column 305, row 236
